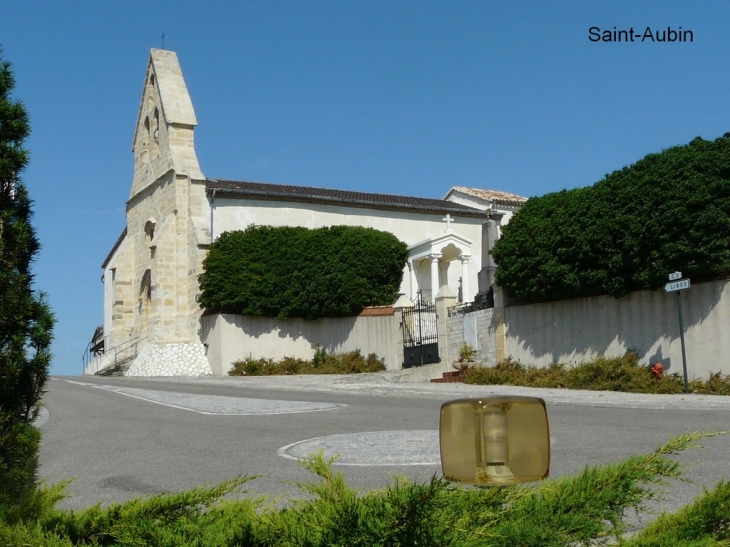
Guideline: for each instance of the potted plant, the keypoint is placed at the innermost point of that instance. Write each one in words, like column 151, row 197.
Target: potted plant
column 466, row 357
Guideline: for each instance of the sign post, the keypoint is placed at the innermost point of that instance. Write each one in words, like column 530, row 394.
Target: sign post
column 677, row 284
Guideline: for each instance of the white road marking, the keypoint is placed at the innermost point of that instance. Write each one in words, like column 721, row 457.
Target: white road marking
column 77, row 383
column 217, row 404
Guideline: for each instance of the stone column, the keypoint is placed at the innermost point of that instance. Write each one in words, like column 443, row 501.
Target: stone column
column 500, row 326
column 490, row 235
column 411, row 280
column 402, row 302
column 435, row 285
column 445, row 299
column 466, row 295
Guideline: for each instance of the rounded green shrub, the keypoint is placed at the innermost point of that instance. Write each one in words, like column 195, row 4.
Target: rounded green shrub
column 669, row 211
column 297, row 272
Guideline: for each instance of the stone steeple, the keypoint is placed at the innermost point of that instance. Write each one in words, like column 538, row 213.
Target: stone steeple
column 163, row 137
column 155, row 273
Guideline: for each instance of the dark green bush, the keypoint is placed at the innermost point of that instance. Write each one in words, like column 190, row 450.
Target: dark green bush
column 618, row 374
column 669, row 211
column 716, row 384
column 352, row 362
column 297, row 272
column 514, row 373
column 622, row 374
column 26, row 322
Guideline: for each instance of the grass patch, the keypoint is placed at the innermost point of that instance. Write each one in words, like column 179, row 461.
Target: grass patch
column 585, row 509
column 352, row 362
column 619, row 374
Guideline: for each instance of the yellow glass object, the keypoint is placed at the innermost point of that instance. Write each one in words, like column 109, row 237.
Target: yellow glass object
column 495, row 440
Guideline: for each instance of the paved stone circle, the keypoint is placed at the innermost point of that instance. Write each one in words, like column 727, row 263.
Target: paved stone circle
column 381, row 448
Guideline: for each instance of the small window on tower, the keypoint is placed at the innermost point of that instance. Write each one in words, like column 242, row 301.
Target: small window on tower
column 156, row 131
column 149, row 236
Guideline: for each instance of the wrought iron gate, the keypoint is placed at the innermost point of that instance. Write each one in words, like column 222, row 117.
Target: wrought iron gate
column 420, row 334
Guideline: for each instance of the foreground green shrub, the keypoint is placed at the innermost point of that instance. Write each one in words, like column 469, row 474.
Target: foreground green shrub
column 297, row 272
column 669, row 211
column 352, row 362
column 586, row 509
column 618, row 374
column 705, row 522
column 26, row 321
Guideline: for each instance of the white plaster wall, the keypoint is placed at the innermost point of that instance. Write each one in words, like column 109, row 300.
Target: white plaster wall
column 573, row 331
column 230, row 338
column 108, row 299
column 409, row 227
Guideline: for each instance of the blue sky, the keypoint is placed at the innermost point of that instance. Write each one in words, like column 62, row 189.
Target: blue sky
column 394, row 97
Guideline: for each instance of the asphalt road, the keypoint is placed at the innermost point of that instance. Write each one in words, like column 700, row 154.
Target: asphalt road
column 120, row 438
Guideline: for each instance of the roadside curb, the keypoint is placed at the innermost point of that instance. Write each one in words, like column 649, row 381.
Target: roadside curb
column 388, row 384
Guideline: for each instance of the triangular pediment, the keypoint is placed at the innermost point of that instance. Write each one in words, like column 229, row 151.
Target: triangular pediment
column 436, row 245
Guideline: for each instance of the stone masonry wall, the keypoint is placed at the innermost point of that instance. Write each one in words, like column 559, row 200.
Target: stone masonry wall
column 476, row 328
column 171, row 360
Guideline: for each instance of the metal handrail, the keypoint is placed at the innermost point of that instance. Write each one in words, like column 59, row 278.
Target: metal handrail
column 118, row 349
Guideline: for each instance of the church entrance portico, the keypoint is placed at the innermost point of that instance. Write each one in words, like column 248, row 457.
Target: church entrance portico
column 437, row 262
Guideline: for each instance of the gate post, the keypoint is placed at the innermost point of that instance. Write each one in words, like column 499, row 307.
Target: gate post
column 445, row 299
column 402, row 302
column 500, row 328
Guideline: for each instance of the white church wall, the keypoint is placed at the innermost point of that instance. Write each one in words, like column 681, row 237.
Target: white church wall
column 229, row 338
column 409, row 227
column 119, row 297
column 578, row 330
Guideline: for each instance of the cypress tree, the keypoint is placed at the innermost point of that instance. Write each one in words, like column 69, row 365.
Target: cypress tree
column 26, row 321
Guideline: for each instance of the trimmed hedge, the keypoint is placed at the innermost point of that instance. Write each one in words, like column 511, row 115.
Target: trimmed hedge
column 669, row 211
column 297, row 272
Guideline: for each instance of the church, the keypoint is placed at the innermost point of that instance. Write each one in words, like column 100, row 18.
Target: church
column 174, row 212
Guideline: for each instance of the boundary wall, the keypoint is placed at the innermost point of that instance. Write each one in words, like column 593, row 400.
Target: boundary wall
column 229, row 337
column 578, row 330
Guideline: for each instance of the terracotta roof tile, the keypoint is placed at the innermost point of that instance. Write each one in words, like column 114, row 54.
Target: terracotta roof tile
column 377, row 311
column 489, row 195
column 281, row 192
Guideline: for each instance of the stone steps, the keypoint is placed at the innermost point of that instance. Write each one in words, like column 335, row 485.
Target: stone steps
column 118, row 369
column 452, row 377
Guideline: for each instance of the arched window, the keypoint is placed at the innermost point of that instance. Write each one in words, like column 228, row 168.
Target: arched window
column 149, row 236
column 149, row 230
column 145, row 299
column 156, row 133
